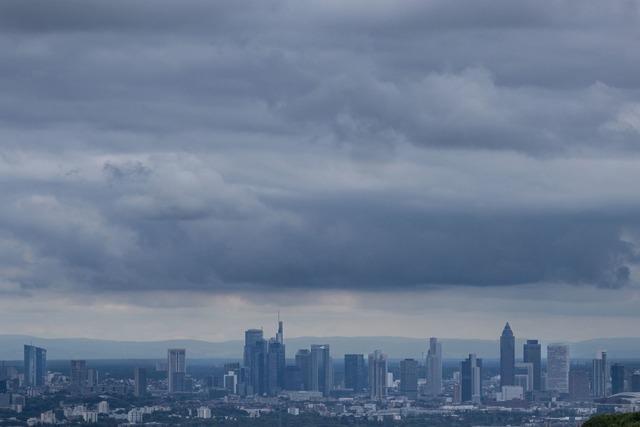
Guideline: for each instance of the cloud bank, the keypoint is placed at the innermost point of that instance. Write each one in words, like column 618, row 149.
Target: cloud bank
column 277, row 146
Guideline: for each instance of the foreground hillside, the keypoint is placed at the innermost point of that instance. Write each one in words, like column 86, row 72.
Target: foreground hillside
column 614, row 420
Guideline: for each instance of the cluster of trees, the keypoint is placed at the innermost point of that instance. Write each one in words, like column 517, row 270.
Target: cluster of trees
column 614, row 420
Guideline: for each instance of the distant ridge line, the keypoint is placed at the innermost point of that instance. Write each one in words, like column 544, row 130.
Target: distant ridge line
column 11, row 347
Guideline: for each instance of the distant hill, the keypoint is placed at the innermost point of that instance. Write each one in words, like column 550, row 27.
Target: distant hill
column 395, row 347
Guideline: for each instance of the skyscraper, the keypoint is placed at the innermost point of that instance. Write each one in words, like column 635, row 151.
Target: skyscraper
column 93, row 377
column 275, row 365
column 524, row 376
column 251, row 336
column 35, row 365
column 255, row 360
column 321, row 369
column 303, row 362
column 558, row 363
column 409, row 378
column 471, row 379
column 140, row 382
column 377, row 375
column 507, row 357
column 579, row 384
column 617, row 378
column 293, row 378
column 176, row 369
column 635, row 381
column 434, row 367
column 258, row 367
column 79, row 374
column 280, row 333
column 532, row 353
column 354, row 372
column 599, row 375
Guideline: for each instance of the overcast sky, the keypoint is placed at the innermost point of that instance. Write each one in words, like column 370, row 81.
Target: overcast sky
column 416, row 168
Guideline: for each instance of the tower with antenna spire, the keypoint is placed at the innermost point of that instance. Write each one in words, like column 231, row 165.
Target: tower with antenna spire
column 280, row 333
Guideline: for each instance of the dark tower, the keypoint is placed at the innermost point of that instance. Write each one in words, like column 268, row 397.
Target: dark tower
column 303, row 362
column 140, row 381
column 507, row 357
column 355, row 373
column 617, row 378
column 532, row 353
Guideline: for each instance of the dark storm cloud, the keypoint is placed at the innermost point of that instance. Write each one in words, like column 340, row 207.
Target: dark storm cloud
column 359, row 145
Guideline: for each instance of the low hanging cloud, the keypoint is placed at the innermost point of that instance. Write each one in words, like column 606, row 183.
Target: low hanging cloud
column 261, row 145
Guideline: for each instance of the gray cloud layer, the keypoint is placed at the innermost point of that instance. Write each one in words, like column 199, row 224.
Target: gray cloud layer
column 219, row 146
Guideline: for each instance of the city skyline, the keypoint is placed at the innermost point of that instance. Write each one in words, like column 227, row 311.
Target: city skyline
column 318, row 384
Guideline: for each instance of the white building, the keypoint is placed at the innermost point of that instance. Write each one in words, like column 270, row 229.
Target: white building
column 48, row 417
column 293, row 411
column 90, row 417
column 103, row 407
column 231, row 382
column 135, row 416
column 204, row 412
column 558, row 368
column 510, row 392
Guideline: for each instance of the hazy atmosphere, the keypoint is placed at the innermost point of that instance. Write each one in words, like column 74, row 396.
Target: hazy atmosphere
column 418, row 168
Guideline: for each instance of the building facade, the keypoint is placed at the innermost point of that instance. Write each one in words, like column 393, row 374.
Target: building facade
column 558, row 362
column 532, row 353
column 355, row 373
column 507, row 357
column 434, row 367
column 377, row 375
column 176, row 369
column 321, row 369
column 471, row 379
column 140, row 382
column 35, row 366
column 409, row 378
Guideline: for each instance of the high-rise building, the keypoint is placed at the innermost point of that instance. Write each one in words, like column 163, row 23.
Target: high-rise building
column 280, row 333
column 321, row 369
column 92, row 377
column 355, row 373
column 377, row 375
column 303, row 362
column 258, row 367
column 558, row 363
column 256, row 350
column 293, row 378
column 635, row 381
column 532, row 353
column 599, row 375
column 230, row 382
column 35, row 366
column 176, row 369
column 140, row 382
column 434, row 367
column 507, row 357
column 275, row 365
column 276, row 361
column 409, row 378
column 524, row 376
column 617, row 378
column 251, row 337
column 79, row 374
column 579, row 389
column 471, row 379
